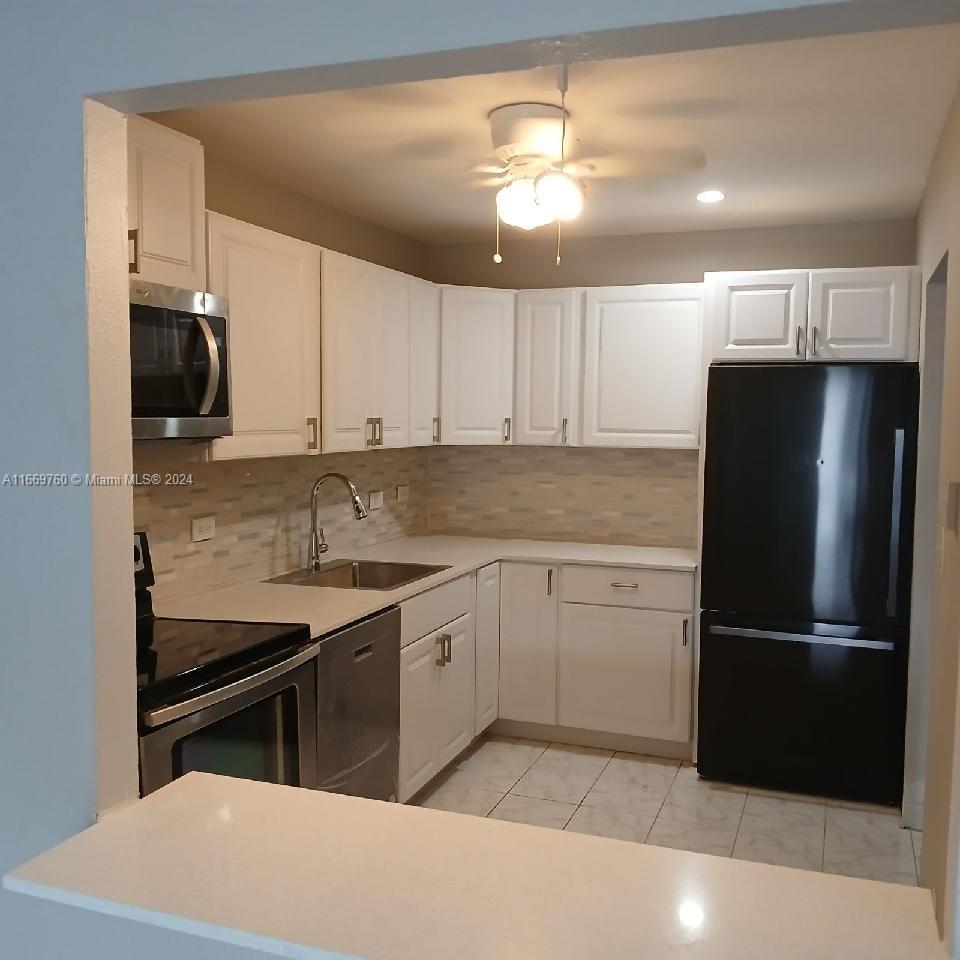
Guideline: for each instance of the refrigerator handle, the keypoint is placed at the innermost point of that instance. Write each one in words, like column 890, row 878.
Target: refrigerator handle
column 896, row 509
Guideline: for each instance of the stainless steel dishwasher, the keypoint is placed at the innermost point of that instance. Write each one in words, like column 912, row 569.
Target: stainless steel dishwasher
column 358, row 678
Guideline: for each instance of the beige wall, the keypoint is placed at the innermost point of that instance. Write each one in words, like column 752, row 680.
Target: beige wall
column 671, row 257
column 938, row 232
column 243, row 195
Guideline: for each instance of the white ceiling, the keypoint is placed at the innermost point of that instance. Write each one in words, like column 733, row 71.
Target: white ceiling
column 831, row 129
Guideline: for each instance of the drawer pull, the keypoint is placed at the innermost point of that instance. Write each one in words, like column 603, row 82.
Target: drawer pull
column 625, row 586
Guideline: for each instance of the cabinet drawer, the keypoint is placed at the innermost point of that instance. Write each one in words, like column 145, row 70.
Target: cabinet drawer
column 429, row 611
column 627, row 587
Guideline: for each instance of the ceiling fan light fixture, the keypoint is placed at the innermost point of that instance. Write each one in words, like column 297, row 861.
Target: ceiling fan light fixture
column 560, row 194
column 518, row 207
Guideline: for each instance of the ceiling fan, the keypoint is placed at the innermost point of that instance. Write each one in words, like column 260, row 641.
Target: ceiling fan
column 537, row 184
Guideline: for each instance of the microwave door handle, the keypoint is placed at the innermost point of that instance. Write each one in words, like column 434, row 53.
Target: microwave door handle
column 161, row 715
column 213, row 359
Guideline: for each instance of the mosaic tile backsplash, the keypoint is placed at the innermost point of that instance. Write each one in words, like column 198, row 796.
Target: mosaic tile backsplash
column 262, row 507
column 262, row 510
column 637, row 497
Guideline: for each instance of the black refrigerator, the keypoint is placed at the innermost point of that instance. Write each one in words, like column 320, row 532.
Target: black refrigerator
column 809, row 485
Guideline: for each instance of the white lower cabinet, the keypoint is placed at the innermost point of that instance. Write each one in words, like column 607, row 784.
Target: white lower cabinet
column 488, row 645
column 437, row 708
column 624, row 670
column 529, row 594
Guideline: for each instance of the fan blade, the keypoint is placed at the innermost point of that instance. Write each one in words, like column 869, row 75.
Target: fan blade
column 651, row 164
column 577, row 169
column 488, row 181
column 489, row 166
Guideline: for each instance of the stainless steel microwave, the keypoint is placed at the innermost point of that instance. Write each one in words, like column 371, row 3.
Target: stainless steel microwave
column 180, row 363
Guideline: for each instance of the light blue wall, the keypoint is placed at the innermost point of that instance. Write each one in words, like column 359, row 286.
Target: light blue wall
column 52, row 54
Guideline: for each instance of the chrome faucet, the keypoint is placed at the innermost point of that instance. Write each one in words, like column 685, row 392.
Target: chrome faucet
column 318, row 544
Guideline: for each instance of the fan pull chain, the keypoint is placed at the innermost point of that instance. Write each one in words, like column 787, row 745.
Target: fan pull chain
column 558, row 243
column 496, row 255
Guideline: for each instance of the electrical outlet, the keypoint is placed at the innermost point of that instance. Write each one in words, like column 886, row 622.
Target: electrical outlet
column 376, row 499
column 203, row 528
column 403, row 492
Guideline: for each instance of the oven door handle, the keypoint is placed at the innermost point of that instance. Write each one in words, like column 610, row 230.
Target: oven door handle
column 162, row 715
column 213, row 360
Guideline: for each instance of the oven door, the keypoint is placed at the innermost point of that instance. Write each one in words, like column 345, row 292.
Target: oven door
column 178, row 363
column 263, row 727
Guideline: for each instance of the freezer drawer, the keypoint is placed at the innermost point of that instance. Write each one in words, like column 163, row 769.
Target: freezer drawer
column 813, row 708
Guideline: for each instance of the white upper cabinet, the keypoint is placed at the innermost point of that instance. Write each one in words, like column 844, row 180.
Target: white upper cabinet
column 388, row 372
column 757, row 316
column 365, row 324
column 863, row 314
column 642, row 366
column 424, row 363
column 165, row 205
column 476, row 365
column 271, row 284
column 548, row 367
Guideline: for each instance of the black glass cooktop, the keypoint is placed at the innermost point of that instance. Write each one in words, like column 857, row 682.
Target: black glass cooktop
column 180, row 657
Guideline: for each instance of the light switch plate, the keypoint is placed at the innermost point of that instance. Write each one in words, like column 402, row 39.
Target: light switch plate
column 403, row 492
column 203, row 528
column 376, row 499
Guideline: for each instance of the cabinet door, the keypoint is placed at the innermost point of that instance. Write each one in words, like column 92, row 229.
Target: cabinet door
column 624, row 671
column 349, row 305
column 488, row 645
column 456, row 721
column 388, row 371
column 862, row 314
column 421, row 707
column 476, row 365
column 548, row 367
column 528, row 642
column 642, row 366
column 424, row 362
column 165, row 204
column 270, row 282
column 757, row 316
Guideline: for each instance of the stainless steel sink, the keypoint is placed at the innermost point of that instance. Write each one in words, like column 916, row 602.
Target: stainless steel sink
column 360, row 575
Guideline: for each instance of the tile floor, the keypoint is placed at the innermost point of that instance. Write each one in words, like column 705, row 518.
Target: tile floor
column 664, row 802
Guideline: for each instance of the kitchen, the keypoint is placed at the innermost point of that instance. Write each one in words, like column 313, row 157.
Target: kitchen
column 549, row 449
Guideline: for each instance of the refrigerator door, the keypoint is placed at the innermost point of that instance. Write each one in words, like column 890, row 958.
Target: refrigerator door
column 808, row 491
column 814, row 708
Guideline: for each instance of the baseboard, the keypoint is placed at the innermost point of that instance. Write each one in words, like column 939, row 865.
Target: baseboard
column 592, row 738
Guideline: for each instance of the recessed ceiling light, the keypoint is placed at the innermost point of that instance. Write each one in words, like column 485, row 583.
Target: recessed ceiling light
column 710, row 196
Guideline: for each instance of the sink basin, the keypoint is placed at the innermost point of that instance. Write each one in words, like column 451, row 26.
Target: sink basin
column 360, row 575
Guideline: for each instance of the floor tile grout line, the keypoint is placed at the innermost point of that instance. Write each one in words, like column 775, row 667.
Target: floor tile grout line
column 592, row 785
column 676, row 773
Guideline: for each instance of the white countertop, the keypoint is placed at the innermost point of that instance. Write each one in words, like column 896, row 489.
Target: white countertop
column 326, row 609
column 299, row 873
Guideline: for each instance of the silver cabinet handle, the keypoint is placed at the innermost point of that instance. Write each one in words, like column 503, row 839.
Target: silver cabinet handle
column 442, row 656
column 313, row 433
column 563, row 431
column 371, row 431
column 813, row 341
column 799, row 339
column 893, row 575
column 379, row 431
column 625, row 586
column 550, row 582
column 506, row 429
column 213, row 359
column 449, row 642
column 134, row 235
column 686, row 620
column 823, row 640
column 165, row 714
column 436, row 429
